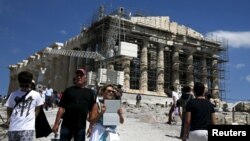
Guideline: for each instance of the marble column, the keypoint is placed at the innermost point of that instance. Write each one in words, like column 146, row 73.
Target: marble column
column 175, row 67
column 61, row 76
column 215, row 81
column 190, row 69
column 58, row 73
column 126, row 66
column 160, row 71
column 144, row 68
column 47, row 74
column 204, row 71
column 72, row 69
column 65, row 72
column 53, row 72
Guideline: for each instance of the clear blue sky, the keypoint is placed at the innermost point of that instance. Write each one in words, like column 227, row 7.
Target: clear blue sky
column 27, row 26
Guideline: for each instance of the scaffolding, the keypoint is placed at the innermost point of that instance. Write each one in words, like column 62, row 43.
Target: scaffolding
column 187, row 59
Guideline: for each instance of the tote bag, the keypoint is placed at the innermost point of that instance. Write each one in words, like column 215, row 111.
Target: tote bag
column 42, row 125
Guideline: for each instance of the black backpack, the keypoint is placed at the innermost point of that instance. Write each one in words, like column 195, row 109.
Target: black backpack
column 183, row 101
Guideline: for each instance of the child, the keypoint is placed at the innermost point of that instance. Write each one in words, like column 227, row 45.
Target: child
column 23, row 105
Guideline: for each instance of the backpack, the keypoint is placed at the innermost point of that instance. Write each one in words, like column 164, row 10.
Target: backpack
column 183, row 101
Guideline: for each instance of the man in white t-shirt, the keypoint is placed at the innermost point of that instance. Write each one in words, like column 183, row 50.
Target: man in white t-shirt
column 48, row 97
column 175, row 97
column 23, row 105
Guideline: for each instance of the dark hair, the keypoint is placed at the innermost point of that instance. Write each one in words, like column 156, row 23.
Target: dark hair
column 172, row 88
column 119, row 86
column 25, row 77
column 117, row 95
column 185, row 89
column 106, row 86
column 199, row 89
column 33, row 86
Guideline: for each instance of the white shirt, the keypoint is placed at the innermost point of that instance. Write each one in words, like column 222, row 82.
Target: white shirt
column 49, row 92
column 175, row 94
column 23, row 115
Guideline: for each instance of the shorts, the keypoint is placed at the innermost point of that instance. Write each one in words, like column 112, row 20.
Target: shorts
column 24, row 135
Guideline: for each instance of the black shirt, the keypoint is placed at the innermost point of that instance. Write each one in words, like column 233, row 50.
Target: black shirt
column 77, row 103
column 201, row 111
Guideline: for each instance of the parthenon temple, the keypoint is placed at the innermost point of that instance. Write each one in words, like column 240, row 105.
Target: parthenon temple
column 145, row 54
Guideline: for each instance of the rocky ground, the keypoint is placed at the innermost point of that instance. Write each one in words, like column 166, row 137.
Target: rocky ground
column 146, row 123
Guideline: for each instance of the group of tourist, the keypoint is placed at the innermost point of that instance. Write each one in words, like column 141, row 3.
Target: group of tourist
column 80, row 104
column 77, row 105
column 195, row 111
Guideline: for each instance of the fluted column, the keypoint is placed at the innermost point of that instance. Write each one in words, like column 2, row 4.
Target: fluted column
column 190, row 69
column 215, row 81
column 160, row 71
column 65, row 73
column 204, row 71
column 144, row 68
column 175, row 67
column 47, row 75
column 53, row 72
column 61, row 76
column 58, row 73
column 126, row 66
column 72, row 70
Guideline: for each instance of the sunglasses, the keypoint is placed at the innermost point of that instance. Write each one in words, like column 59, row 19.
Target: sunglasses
column 109, row 91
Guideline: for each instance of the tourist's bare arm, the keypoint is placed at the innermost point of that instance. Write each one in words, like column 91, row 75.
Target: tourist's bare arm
column 58, row 119
column 186, row 126
column 95, row 114
column 9, row 112
column 37, row 110
column 121, row 117
column 213, row 119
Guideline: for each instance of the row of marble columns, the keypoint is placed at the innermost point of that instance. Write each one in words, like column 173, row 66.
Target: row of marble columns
column 143, row 83
column 60, row 71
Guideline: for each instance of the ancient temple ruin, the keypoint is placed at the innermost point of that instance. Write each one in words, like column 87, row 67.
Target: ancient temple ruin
column 147, row 53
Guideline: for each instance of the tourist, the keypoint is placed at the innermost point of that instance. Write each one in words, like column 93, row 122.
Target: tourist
column 97, row 130
column 48, row 97
column 23, row 106
column 183, row 100
column 173, row 106
column 199, row 115
column 138, row 100
column 74, row 106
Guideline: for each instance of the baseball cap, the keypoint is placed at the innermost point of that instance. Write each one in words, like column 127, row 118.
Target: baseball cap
column 81, row 70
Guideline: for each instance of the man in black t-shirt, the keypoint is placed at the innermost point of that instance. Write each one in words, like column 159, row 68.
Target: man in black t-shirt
column 199, row 115
column 75, row 105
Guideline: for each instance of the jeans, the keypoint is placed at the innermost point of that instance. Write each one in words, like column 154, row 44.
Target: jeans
column 66, row 134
